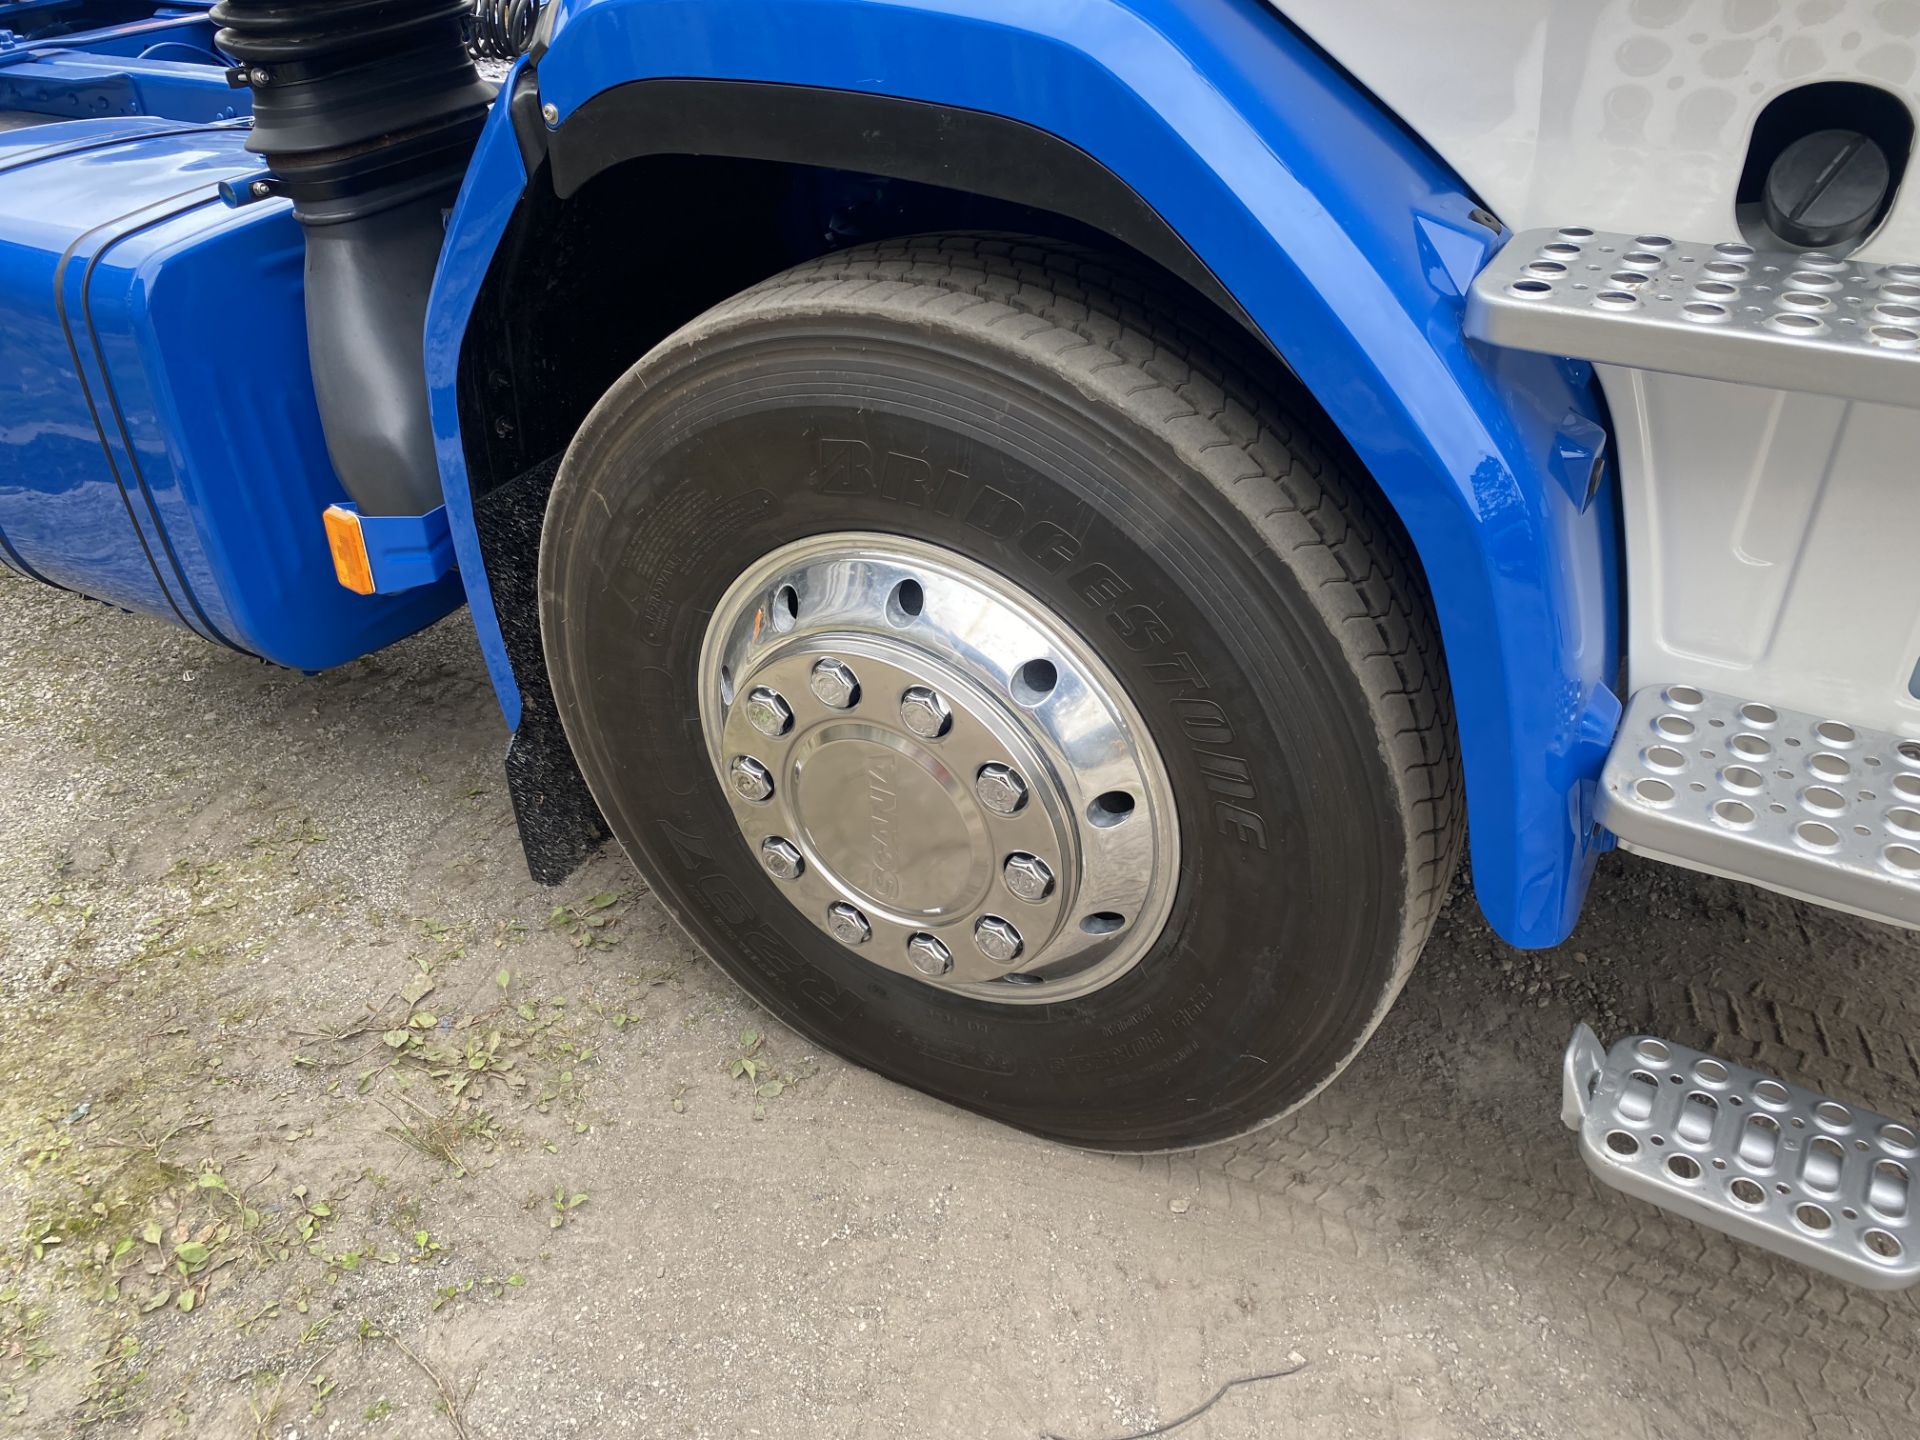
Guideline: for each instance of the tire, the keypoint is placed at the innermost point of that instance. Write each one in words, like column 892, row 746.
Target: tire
column 1220, row 554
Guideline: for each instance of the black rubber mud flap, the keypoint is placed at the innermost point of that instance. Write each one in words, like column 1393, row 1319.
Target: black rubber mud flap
column 560, row 826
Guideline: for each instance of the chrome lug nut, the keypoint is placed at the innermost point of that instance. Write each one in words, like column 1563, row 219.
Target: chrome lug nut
column 768, row 712
column 1028, row 876
column 925, row 713
column 749, row 778
column 782, row 858
column 835, row 684
column 848, row 925
column 929, row 956
column 1000, row 789
column 997, row 939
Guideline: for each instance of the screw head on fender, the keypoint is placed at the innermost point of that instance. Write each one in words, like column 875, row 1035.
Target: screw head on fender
column 834, row 683
column 1028, row 877
column 997, row 939
column 768, row 712
column 929, row 956
column 925, row 712
column 847, row 925
column 750, row 779
column 1000, row 788
column 782, row 858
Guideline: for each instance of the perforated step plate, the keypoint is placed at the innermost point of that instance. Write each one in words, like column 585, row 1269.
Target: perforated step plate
column 1798, row 803
column 1788, row 320
column 1826, row 1184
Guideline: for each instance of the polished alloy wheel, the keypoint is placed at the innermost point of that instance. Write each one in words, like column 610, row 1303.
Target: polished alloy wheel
column 938, row 773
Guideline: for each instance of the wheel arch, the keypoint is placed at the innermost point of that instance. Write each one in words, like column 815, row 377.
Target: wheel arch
column 1209, row 138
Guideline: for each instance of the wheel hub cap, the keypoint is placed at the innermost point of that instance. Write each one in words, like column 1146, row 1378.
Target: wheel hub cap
column 936, row 771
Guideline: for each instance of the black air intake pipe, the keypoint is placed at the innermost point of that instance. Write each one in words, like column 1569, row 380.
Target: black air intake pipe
column 366, row 110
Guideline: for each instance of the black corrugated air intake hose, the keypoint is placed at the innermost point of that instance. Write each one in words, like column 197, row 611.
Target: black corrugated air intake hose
column 366, row 111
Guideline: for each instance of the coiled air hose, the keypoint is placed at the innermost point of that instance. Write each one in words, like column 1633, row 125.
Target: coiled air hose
column 501, row 29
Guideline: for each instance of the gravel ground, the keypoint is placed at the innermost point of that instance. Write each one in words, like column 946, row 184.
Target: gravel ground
column 317, row 1118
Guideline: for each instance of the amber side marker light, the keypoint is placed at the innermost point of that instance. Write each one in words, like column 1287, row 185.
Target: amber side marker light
column 350, row 564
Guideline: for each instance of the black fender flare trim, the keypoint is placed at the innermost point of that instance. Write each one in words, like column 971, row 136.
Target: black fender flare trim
column 968, row 150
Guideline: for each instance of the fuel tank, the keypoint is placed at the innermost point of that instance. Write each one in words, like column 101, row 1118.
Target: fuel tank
column 160, row 444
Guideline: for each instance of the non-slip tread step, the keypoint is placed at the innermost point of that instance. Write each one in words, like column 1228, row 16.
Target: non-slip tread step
column 1805, row 804
column 1788, row 320
column 1820, row 1181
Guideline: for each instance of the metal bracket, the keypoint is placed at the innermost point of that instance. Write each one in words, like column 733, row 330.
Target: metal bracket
column 238, row 190
column 401, row 552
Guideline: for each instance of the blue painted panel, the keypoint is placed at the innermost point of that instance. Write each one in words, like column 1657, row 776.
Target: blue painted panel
column 1348, row 243
column 160, row 446
column 62, row 506
column 487, row 200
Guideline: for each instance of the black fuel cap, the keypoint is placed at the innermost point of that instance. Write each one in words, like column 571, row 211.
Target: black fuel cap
column 1826, row 189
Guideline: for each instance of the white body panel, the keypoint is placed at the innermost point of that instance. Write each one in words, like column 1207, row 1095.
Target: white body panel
column 1619, row 114
column 1771, row 539
column 1770, row 535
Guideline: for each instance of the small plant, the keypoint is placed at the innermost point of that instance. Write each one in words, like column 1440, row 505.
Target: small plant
column 564, row 1206
column 313, row 1215
column 586, row 924
column 746, row 1065
column 751, row 1065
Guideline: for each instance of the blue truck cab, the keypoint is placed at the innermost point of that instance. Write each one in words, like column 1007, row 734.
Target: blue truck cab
column 1043, row 530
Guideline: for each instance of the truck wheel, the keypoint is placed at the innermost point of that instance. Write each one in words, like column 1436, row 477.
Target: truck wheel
column 1007, row 691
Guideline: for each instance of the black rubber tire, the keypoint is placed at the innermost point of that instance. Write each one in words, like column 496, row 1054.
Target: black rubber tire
column 1238, row 574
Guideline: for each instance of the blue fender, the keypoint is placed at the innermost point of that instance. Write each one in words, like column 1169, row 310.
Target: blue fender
column 1347, row 243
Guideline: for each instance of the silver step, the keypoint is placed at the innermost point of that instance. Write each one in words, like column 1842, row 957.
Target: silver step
column 1809, row 806
column 1802, row 1175
column 1788, row 320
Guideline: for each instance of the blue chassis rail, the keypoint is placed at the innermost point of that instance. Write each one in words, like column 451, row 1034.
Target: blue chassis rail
column 1349, row 245
column 165, row 65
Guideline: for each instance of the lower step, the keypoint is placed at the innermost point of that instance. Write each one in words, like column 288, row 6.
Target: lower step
column 1799, row 803
column 1805, row 1176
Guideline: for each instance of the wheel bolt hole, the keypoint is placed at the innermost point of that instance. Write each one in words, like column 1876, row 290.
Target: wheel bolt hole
column 1034, row 681
column 906, row 602
column 1103, row 922
column 786, row 608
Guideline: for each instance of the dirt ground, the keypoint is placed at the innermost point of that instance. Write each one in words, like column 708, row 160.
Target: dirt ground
column 318, row 1118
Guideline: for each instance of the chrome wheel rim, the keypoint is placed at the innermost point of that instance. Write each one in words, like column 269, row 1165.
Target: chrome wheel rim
column 936, row 771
